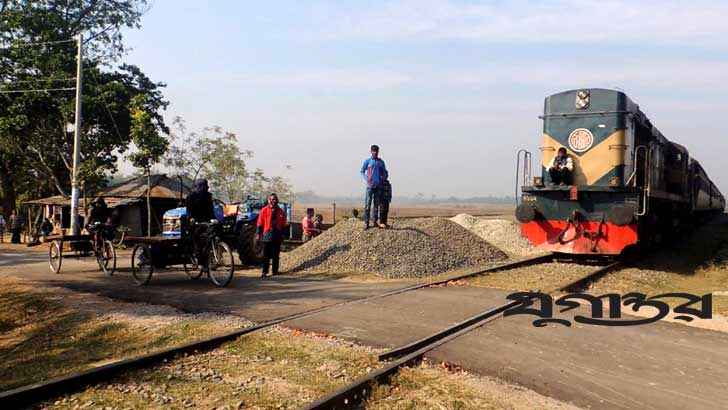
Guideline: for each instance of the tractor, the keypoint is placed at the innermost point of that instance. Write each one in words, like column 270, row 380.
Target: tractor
column 239, row 225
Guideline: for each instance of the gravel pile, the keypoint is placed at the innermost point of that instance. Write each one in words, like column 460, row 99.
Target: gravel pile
column 412, row 248
column 505, row 235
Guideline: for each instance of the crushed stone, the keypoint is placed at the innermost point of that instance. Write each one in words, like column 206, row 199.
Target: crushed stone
column 505, row 235
column 410, row 248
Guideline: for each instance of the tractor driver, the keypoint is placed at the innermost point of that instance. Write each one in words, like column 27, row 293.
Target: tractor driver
column 200, row 209
column 560, row 168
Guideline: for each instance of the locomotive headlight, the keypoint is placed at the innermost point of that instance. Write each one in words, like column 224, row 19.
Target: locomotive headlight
column 537, row 181
column 613, row 181
column 582, row 99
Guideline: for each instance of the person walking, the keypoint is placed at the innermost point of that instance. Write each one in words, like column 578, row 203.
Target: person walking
column 271, row 222
column 374, row 173
column 16, row 224
column 384, row 207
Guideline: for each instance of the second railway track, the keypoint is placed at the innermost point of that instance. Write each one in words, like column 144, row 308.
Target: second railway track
column 413, row 353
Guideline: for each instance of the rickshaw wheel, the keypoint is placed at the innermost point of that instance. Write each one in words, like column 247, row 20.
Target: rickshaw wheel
column 222, row 267
column 192, row 269
column 55, row 256
column 107, row 258
column 141, row 264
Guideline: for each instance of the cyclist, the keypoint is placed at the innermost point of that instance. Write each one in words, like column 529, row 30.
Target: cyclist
column 199, row 209
column 100, row 214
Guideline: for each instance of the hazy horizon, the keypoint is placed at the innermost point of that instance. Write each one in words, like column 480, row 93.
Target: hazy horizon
column 450, row 90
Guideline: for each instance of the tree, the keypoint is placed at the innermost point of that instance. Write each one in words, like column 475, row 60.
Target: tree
column 150, row 143
column 216, row 155
column 36, row 139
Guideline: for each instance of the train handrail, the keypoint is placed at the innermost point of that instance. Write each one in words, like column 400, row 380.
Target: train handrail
column 648, row 175
column 526, row 169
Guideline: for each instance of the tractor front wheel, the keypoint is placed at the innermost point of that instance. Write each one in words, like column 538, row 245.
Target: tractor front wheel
column 250, row 250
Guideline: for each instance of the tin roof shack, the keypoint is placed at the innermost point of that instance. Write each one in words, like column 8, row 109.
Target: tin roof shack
column 127, row 201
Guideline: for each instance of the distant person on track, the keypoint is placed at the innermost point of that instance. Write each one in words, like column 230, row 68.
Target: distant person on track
column 561, row 167
column 16, row 224
column 309, row 226
column 374, row 173
column 271, row 223
column 384, row 206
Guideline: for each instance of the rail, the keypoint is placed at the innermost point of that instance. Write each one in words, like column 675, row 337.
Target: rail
column 27, row 395
column 414, row 352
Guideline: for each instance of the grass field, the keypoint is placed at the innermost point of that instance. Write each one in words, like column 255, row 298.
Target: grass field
column 344, row 211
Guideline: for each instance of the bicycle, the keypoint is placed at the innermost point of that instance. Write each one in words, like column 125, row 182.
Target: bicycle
column 82, row 246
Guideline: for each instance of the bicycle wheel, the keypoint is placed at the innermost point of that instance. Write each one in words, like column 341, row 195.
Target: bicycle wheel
column 221, row 264
column 106, row 258
column 141, row 264
column 192, row 269
column 55, row 256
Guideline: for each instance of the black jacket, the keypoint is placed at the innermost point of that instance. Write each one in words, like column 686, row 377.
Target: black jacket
column 199, row 206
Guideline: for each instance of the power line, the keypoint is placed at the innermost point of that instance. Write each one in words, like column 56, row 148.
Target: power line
column 39, row 80
column 31, row 44
column 36, row 90
column 111, row 117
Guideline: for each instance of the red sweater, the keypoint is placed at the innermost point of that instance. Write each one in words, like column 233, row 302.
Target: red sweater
column 265, row 219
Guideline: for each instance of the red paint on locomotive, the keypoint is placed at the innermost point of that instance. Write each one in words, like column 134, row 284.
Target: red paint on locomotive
column 544, row 234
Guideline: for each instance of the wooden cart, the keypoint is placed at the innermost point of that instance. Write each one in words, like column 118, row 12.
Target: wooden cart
column 159, row 252
column 81, row 246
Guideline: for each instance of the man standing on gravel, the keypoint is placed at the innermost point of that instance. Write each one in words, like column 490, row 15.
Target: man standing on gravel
column 374, row 173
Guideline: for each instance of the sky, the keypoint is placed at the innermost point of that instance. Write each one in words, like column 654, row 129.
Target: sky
column 450, row 90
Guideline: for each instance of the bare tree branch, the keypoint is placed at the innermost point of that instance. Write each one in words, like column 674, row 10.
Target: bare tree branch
column 46, row 170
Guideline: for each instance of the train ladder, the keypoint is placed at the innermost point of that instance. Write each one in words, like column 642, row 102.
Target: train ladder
column 523, row 171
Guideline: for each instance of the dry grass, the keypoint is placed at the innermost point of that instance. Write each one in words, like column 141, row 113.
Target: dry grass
column 446, row 211
column 697, row 264
column 428, row 387
column 547, row 277
column 276, row 369
column 42, row 338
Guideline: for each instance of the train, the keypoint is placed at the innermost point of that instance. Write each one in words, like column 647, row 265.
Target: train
column 630, row 186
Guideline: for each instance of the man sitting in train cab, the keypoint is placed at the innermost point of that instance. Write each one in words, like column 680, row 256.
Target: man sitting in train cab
column 560, row 168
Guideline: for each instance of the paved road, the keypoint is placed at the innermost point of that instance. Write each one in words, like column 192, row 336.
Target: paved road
column 656, row 366
column 248, row 295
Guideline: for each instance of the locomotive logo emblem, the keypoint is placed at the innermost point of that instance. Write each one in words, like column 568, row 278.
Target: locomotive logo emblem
column 580, row 140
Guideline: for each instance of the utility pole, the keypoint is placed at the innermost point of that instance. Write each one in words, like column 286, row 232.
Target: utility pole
column 75, row 228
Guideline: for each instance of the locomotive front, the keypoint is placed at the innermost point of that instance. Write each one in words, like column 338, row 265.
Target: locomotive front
column 596, row 211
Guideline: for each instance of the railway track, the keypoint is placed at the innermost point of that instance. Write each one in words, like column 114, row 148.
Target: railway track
column 33, row 393
column 413, row 353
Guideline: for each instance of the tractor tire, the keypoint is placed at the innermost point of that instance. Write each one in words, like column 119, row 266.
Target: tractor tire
column 250, row 251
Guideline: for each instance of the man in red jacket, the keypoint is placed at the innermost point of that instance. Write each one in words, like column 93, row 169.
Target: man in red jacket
column 271, row 222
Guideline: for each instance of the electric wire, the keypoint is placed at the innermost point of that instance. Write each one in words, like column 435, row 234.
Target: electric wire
column 111, row 117
column 38, row 90
column 31, row 44
column 38, row 80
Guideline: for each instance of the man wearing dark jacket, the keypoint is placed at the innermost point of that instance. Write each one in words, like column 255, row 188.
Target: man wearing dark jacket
column 200, row 208
column 199, row 203
column 384, row 207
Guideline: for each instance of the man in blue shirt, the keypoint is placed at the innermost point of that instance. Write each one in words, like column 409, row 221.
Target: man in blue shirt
column 374, row 173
